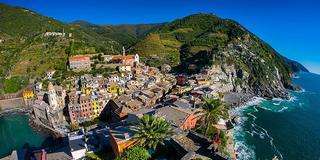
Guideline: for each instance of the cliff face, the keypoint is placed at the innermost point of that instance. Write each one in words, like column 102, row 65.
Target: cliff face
column 202, row 40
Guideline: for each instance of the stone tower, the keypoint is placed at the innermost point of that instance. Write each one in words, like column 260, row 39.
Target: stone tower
column 52, row 96
column 123, row 51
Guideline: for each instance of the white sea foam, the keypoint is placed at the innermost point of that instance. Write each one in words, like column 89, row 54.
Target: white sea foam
column 246, row 152
column 292, row 98
column 302, row 90
column 250, row 114
column 278, row 99
column 276, row 103
column 254, row 101
column 283, row 109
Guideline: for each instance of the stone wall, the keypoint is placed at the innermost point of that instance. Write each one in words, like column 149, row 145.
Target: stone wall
column 11, row 103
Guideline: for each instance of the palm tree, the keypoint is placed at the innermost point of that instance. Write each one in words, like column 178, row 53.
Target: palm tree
column 214, row 109
column 152, row 131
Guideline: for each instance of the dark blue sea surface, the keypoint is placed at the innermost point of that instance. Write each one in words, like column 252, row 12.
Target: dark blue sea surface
column 287, row 129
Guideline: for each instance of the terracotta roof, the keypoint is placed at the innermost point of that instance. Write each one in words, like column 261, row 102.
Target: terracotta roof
column 185, row 142
column 79, row 58
column 126, row 57
column 134, row 104
column 173, row 115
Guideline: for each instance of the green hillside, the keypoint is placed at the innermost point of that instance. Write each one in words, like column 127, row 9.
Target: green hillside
column 203, row 40
column 127, row 35
column 200, row 40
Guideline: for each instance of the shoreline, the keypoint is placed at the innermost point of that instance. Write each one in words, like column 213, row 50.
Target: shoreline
column 21, row 110
column 237, row 111
column 233, row 112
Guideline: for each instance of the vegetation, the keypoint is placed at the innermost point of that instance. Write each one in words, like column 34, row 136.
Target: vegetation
column 87, row 124
column 100, row 155
column 199, row 40
column 202, row 40
column 92, row 156
column 224, row 140
column 214, row 109
column 14, row 84
column 135, row 153
column 152, row 131
column 27, row 52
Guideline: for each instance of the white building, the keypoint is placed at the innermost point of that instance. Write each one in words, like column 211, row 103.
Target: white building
column 48, row 34
column 78, row 147
column 80, row 62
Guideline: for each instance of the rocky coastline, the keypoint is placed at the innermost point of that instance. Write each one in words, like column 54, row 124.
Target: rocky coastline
column 22, row 111
column 41, row 129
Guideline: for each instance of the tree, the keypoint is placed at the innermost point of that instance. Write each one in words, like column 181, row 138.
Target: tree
column 152, row 131
column 214, row 109
column 135, row 153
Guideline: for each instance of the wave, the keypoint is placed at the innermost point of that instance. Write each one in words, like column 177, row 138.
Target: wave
column 283, row 109
column 238, row 111
column 255, row 101
column 276, row 104
column 245, row 151
column 302, row 90
column 292, row 98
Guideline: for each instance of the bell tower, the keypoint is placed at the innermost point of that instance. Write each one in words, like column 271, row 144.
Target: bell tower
column 52, row 96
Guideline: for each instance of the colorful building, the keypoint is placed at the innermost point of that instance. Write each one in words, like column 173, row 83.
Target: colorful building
column 85, row 108
column 126, row 59
column 27, row 94
column 121, row 138
column 115, row 89
column 80, row 62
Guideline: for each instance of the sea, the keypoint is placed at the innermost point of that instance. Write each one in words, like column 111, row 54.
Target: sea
column 286, row 129
column 16, row 133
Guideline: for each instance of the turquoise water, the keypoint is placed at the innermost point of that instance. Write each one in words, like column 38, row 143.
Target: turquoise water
column 15, row 133
column 288, row 129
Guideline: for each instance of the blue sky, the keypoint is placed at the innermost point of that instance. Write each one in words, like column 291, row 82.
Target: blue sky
column 292, row 27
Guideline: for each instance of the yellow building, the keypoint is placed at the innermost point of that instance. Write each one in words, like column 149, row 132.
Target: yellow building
column 95, row 108
column 27, row 94
column 86, row 90
column 121, row 138
column 115, row 89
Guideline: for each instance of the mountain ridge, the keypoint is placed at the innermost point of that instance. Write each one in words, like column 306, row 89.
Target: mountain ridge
column 180, row 43
column 202, row 40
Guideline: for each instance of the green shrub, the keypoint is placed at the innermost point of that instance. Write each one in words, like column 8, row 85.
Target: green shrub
column 14, row 84
column 135, row 153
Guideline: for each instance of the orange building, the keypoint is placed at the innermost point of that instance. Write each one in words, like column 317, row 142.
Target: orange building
column 125, row 59
column 121, row 138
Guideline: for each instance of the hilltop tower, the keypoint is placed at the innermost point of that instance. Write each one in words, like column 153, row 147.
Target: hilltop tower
column 123, row 51
column 136, row 59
